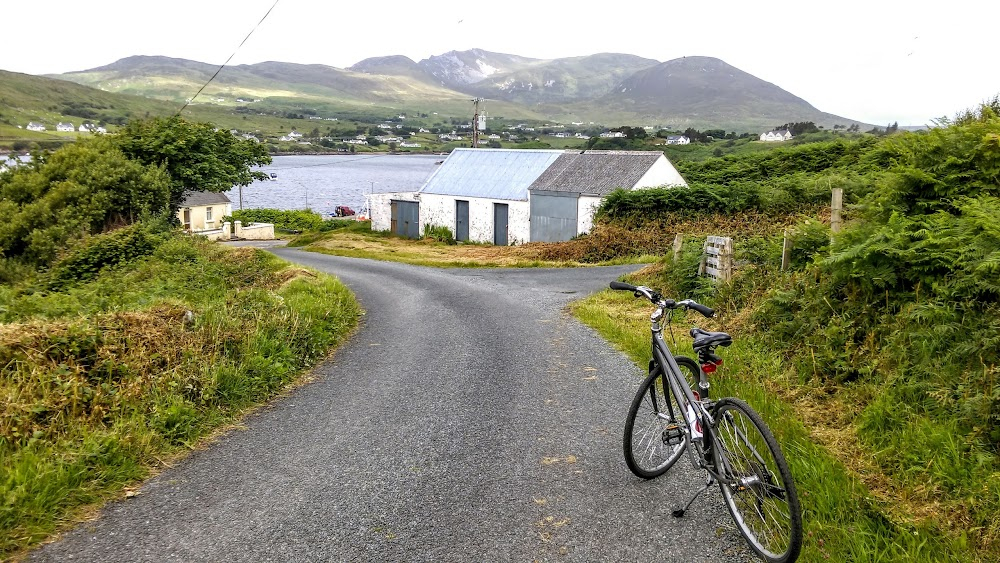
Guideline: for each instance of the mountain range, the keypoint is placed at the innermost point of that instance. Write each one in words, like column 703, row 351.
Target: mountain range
column 607, row 88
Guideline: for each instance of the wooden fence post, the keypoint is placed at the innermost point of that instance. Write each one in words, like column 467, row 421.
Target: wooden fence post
column 786, row 251
column 726, row 260
column 836, row 207
column 678, row 242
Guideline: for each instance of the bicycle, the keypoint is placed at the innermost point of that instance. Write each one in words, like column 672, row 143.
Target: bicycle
column 730, row 440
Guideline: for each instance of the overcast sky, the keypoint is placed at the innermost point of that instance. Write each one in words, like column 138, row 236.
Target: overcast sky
column 877, row 61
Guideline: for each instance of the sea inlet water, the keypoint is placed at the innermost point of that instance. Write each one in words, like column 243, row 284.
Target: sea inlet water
column 322, row 182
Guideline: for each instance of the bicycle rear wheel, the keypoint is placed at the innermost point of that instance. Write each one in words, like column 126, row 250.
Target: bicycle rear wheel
column 655, row 436
column 760, row 492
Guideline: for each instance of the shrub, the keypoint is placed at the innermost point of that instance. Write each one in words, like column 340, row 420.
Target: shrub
column 297, row 220
column 86, row 260
column 439, row 233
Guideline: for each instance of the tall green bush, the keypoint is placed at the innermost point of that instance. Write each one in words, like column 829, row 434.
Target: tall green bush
column 82, row 189
column 908, row 302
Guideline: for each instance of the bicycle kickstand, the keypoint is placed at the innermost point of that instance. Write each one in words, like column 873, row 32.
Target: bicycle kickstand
column 678, row 512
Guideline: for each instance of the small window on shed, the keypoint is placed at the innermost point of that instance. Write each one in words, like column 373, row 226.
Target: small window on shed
column 208, row 214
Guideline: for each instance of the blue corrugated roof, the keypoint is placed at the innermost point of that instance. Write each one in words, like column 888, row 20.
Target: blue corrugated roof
column 490, row 173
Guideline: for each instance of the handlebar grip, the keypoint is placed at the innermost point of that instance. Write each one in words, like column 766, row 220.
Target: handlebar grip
column 703, row 309
column 622, row 286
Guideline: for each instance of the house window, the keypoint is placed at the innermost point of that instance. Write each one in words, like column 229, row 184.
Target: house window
column 187, row 219
column 208, row 214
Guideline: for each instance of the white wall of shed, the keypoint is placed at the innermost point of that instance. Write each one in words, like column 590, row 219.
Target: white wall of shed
column 661, row 173
column 439, row 210
column 381, row 208
column 586, row 206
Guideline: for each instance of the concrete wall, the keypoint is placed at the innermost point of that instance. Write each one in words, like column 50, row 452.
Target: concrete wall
column 253, row 231
column 586, row 206
column 439, row 210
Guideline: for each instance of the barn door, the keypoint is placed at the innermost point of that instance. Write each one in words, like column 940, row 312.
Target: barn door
column 553, row 216
column 500, row 224
column 461, row 220
column 404, row 220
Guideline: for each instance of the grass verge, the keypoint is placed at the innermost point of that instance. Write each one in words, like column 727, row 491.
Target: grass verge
column 605, row 245
column 102, row 381
column 846, row 516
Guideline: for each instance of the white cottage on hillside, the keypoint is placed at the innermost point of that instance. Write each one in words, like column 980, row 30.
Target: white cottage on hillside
column 509, row 196
column 772, row 136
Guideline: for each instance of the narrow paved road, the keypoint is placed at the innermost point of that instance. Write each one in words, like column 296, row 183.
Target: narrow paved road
column 469, row 419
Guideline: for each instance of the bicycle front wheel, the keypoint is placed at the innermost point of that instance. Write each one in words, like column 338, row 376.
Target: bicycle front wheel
column 757, row 485
column 655, row 436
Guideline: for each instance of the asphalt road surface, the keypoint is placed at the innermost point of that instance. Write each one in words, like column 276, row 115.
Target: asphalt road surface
column 470, row 418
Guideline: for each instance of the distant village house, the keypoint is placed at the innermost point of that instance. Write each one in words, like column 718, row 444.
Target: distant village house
column 678, row 140
column 776, row 136
column 65, row 127
column 32, row 126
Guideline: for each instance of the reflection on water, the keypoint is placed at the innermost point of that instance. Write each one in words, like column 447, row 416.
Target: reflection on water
column 322, row 182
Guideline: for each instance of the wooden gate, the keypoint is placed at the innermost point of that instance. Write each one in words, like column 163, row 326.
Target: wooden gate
column 717, row 261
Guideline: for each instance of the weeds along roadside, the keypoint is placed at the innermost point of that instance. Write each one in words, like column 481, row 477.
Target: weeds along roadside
column 844, row 521
column 882, row 340
column 102, row 380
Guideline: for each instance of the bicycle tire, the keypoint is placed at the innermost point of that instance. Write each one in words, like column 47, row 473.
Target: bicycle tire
column 652, row 413
column 762, row 501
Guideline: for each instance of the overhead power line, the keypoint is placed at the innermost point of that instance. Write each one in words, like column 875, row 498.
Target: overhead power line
column 229, row 59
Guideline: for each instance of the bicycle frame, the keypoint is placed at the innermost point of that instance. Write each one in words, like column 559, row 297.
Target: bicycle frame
column 672, row 376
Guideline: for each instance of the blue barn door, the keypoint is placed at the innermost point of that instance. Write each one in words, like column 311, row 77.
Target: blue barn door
column 461, row 220
column 500, row 224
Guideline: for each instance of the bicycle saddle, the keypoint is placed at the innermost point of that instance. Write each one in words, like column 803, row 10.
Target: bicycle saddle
column 703, row 338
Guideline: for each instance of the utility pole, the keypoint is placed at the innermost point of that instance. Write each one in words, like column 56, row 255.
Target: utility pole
column 475, row 123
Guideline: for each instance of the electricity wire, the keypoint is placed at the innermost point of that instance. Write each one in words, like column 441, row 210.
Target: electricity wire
column 205, row 85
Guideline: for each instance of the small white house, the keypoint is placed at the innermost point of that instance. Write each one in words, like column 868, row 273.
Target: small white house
column 65, row 127
column 510, row 196
column 33, row 126
column 678, row 140
column 203, row 211
column 776, row 136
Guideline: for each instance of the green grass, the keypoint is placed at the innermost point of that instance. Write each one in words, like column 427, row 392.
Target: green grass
column 843, row 521
column 105, row 380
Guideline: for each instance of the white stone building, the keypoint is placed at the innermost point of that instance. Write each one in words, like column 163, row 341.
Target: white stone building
column 511, row 196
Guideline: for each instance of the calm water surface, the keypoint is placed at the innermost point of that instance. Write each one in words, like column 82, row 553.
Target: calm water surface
column 322, row 182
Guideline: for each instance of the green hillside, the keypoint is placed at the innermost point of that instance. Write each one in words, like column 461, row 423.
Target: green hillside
column 608, row 89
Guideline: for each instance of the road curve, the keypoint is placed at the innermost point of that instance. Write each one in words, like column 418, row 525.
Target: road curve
column 470, row 418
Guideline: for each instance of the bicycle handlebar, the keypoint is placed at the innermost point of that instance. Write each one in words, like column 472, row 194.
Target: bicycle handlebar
column 656, row 298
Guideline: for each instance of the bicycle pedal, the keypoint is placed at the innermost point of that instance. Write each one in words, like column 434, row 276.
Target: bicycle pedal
column 673, row 434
